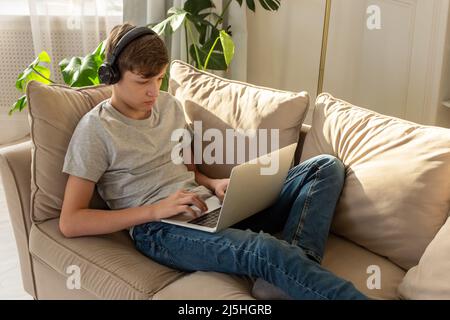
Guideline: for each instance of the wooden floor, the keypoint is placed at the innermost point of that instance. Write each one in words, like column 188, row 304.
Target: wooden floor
column 10, row 278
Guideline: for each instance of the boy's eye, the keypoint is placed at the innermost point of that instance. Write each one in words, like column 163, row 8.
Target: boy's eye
column 145, row 82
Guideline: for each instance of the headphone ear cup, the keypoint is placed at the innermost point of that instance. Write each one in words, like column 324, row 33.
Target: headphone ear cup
column 107, row 74
column 115, row 75
column 104, row 73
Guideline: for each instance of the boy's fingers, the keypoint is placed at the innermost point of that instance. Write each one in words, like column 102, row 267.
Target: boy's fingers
column 195, row 197
column 194, row 200
column 189, row 210
column 199, row 203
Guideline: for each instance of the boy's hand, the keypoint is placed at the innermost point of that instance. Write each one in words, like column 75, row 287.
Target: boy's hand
column 220, row 187
column 177, row 203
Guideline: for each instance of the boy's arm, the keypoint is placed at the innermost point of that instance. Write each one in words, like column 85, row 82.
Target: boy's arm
column 78, row 220
column 200, row 178
column 218, row 186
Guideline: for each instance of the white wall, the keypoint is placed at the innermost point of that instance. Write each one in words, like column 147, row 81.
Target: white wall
column 284, row 46
column 396, row 70
column 401, row 70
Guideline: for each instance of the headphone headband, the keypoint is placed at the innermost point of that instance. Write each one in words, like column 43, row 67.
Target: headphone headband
column 108, row 72
column 131, row 35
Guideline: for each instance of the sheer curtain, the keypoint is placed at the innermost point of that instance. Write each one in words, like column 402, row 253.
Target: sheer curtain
column 63, row 28
column 66, row 28
column 142, row 12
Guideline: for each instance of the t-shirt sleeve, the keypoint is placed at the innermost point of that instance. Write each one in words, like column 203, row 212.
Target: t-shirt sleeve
column 188, row 126
column 87, row 153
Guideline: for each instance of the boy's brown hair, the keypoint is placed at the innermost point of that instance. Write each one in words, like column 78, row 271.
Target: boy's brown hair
column 146, row 55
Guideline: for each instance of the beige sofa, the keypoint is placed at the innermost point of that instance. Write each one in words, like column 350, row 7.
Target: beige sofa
column 361, row 248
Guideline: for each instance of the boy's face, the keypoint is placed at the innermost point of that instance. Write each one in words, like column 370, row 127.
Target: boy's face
column 138, row 93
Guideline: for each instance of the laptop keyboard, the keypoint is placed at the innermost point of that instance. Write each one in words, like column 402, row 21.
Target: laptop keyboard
column 208, row 220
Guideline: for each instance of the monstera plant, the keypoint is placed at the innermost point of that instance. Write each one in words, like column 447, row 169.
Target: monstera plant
column 209, row 46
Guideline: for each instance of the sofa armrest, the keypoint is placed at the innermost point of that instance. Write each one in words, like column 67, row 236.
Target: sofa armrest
column 15, row 171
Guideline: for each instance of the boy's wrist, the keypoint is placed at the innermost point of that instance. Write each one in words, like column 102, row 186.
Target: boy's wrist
column 212, row 184
column 151, row 214
column 205, row 181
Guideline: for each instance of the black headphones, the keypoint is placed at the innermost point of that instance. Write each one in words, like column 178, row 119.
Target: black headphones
column 108, row 72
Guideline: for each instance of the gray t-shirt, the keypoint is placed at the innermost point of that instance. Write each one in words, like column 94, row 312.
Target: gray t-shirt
column 130, row 160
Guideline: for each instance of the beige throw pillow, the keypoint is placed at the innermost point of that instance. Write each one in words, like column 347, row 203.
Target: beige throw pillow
column 397, row 191
column 54, row 112
column 430, row 280
column 223, row 104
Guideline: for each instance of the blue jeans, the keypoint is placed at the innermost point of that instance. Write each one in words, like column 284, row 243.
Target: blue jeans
column 303, row 212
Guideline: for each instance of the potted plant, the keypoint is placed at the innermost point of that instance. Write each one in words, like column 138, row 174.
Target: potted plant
column 211, row 47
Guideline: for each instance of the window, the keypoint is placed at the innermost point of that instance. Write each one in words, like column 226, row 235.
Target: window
column 62, row 7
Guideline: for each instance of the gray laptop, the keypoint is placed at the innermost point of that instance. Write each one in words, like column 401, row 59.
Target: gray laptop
column 248, row 193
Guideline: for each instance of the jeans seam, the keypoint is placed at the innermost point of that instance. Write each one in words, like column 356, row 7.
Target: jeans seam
column 312, row 253
column 305, row 209
column 279, row 269
column 325, row 166
column 295, row 176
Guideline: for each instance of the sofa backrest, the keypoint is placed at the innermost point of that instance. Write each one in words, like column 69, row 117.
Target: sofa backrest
column 396, row 195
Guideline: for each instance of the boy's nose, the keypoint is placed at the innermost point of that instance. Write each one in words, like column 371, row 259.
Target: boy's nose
column 153, row 91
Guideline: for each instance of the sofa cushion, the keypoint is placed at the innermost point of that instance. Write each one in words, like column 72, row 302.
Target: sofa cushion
column 363, row 268
column 223, row 104
column 397, row 191
column 430, row 279
column 342, row 257
column 110, row 266
column 207, row 286
column 54, row 112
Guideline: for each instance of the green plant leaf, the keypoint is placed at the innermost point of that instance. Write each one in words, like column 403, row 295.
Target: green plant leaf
column 44, row 57
column 30, row 74
column 215, row 33
column 202, row 25
column 270, row 5
column 240, row 2
column 228, row 47
column 80, row 71
column 171, row 23
column 216, row 60
column 34, row 71
column 100, row 50
column 18, row 105
column 83, row 71
column 195, row 6
column 251, row 4
column 165, row 82
column 178, row 16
